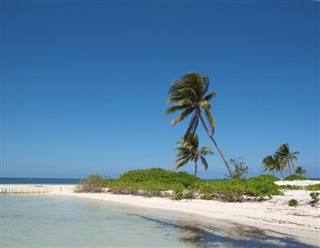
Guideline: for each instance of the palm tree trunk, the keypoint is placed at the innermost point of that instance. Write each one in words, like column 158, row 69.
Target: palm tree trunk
column 281, row 173
column 214, row 142
column 195, row 168
column 289, row 168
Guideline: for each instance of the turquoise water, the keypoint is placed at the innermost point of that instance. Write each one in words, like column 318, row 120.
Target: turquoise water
column 56, row 221
column 22, row 180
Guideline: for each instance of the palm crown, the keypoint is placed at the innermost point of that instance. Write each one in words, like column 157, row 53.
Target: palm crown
column 189, row 95
column 287, row 156
column 188, row 150
column 274, row 163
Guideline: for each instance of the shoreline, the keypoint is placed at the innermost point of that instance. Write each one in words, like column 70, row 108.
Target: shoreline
column 301, row 222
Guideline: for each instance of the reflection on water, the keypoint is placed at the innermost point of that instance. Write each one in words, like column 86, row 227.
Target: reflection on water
column 51, row 221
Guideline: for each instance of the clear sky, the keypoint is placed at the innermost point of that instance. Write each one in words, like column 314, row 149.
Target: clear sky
column 84, row 83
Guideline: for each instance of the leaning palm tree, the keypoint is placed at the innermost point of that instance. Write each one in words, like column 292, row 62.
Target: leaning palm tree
column 188, row 150
column 274, row 163
column 189, row 95
column 300, row 171
column 287, row 156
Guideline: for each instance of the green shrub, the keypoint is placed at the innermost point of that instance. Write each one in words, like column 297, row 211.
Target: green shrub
column 188, row 195
column 314, row 196
column 262, row 186
column 152, row 181
column 293, row 203
column 313, row 187
column 178, row 196
column 159, row 175
column 295, row 177
column 93, row 183
column 208, row 196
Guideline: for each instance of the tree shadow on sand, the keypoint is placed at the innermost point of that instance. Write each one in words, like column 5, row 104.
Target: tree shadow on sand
column 194, row 234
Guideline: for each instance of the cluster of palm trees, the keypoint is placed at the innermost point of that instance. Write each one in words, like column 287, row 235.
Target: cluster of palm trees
column 282, row 158
column 189, row 96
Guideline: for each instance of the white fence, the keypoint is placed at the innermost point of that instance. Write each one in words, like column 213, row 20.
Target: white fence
column 34, row 189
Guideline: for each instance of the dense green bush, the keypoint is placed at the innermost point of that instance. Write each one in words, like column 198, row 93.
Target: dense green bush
column 154, row 182
column 313, row 187
column 293, row 203
column 262, row 186
column 159, row 175
column 295, row 177
column 93, row 183
column 234, row 189
column 227, row 190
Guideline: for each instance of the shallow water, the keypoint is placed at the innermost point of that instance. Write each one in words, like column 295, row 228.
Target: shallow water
column 56, row 221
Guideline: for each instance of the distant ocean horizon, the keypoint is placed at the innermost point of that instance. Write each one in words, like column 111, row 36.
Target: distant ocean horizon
column 30, row 180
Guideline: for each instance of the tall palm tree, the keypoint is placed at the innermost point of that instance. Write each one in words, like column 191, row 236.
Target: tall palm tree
column 188, row 150
column 287, row 156
column 274, row 163
column 189, row 95
column 300, row 171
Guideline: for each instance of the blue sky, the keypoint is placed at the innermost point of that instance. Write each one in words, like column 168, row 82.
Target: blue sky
column 84, row 84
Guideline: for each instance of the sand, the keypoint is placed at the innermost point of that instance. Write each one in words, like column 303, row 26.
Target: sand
column 301, row 222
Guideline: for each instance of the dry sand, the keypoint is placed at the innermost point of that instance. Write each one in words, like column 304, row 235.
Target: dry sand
column 301, row 222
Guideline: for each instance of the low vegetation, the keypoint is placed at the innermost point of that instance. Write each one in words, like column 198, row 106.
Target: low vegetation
column 314, row 196
column 293, row 203
column 92, row 184
column 181, row 185
column 291, row 187
column 313, row 187
column 295, row 177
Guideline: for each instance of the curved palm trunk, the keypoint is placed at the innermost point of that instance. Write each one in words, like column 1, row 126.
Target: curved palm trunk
column 289, row 167
column 214, row 142
column 281, row 173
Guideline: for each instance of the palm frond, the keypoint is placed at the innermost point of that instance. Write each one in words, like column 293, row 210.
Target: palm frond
column 186, row 102
column 182, row 158
column 206, row 150
column 210, row 119
column 189, row 92
column 204, row 162
column 182, row 115
column 182, row 163
column 210, row 96
column 175, row 99
column 173, row 109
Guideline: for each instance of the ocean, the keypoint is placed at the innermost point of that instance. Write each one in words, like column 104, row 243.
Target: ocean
column 21, row 180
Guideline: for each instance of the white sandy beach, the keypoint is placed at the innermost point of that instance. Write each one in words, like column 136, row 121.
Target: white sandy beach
column 301, row 222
